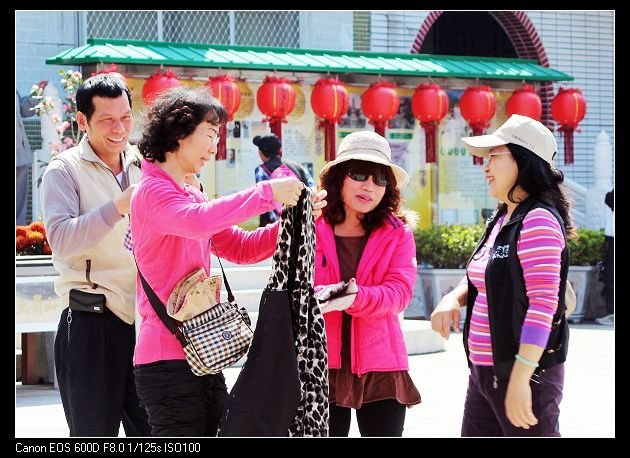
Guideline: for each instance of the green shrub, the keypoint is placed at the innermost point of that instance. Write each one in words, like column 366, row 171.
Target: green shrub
column 449, row 246
column 588, row 249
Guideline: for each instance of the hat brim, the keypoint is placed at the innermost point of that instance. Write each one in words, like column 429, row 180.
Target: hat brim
column 402, row 178
column 482, row 144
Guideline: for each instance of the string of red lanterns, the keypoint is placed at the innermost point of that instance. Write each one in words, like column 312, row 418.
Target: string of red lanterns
column 429, row 105
column 226, row 91
column 158, row 83
column 568, row 108
column 380, row 103
column 329, row 101
column 478, row 106
column 276, row 100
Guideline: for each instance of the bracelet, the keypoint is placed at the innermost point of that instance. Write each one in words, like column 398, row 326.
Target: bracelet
column 525, row 361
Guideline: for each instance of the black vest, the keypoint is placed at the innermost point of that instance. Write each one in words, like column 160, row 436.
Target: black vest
column 507, row 298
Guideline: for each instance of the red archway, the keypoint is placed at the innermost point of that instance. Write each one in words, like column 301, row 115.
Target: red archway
column 526, row 41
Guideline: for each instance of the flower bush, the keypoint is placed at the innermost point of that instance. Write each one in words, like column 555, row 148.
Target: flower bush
column 31, row 239
column 66, row 125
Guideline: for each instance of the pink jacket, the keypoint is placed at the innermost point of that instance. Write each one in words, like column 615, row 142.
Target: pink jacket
column 171, row 229
column 386, row 276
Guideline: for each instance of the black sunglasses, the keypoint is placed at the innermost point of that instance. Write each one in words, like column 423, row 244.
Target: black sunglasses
column 379, row 178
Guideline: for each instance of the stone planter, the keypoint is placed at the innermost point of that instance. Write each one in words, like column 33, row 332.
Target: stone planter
column 432, row 284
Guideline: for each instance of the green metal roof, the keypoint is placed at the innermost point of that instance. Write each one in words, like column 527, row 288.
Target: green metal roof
column 101, row 50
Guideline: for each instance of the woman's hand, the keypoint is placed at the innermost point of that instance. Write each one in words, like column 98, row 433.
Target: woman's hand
column 518, row 402
column 448, row 311
column 319, row 203
column 286, row 190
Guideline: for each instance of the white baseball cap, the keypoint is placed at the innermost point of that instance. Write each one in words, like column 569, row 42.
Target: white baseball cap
column 371, row 147
column 520, row 130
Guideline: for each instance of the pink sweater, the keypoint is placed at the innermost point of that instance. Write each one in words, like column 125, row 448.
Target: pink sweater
column 386, row 276
column 172, row 227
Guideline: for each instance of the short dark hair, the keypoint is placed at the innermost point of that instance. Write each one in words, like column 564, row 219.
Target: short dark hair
column 335, row 213
column 269, row 145
column 174, row 115
column 101, row 85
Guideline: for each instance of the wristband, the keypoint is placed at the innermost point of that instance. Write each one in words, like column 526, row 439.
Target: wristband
column 525, row 361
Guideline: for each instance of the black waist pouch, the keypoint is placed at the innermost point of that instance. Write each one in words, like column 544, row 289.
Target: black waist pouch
column 86, row 302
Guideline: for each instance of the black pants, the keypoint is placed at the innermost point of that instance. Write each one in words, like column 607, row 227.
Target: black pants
column 179, row 403
column 375, row 419
column 609, row 274
column 94, row 363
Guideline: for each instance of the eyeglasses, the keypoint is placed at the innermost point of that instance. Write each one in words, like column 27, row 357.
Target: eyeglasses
column 379, row 178
column 491, row 155
column 215, row 140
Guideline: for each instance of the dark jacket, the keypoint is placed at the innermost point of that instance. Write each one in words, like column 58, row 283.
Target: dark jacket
column 507, row 298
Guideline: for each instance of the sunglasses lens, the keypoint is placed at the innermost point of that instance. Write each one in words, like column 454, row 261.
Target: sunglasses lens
column 381, row 179
column 358, row 176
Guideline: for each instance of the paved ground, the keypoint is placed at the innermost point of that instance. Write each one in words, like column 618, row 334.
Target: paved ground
column 587, row 410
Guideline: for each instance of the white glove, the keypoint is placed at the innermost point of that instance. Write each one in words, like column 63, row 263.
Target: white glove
column 338, row 296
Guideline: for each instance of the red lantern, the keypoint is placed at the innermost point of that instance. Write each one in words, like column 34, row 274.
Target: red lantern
column 568, row 108
column 227, row 92
column 329, row 100
column 477, row 106
column 112, row 69
column 380, row 103
column 525, row 101
column 158, row 83
column 429, row 105
column 276, row 100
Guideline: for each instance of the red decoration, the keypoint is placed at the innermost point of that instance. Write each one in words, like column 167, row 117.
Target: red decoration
column 525, row 101
column 158, row 83
column 227, row 92
column 329, row 100
column 380, row 103
column 477, row 106
column 112, row 69
column 429, row 105
column 276, row 100
column 568, row 108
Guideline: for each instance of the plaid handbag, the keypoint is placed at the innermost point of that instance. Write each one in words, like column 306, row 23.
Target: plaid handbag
column 213, row 340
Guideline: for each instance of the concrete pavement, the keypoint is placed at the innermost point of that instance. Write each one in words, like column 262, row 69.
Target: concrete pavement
column 587, row 410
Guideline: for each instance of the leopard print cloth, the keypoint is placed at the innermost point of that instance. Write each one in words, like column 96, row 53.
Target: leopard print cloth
column 293, row 270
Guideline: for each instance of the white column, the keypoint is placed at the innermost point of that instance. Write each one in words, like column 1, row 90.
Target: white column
column 603, row 172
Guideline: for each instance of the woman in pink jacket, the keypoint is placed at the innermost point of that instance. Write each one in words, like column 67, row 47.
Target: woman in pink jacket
column 172, row 225
column 363, row 235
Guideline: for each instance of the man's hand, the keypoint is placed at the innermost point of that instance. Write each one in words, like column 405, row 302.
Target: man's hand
column 319, row 203
column 122, row 202
column 286, row 190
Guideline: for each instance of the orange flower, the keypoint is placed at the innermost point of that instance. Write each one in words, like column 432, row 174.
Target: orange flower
column 37, row 226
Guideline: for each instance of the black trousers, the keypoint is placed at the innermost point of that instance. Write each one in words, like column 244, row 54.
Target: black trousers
column 384, row 418
column 179, row 403
column 94, row 363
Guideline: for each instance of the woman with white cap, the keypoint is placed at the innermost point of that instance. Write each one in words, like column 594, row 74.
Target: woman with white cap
column 365, row 241
column 516, row 333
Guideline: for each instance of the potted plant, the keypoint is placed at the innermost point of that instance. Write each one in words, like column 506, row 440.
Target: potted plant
column 443, row 250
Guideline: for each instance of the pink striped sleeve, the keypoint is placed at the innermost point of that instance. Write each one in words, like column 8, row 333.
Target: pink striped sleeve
column 539, row 250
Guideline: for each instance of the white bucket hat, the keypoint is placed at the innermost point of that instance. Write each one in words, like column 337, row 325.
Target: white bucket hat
column 371, row 147
column 520, row 130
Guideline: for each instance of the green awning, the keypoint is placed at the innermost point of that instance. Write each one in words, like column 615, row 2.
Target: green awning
column 106, row 51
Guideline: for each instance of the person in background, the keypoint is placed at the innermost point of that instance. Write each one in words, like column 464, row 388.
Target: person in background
column 275, row 166
column 173, row 224
column 85, row 194
column 515, row 333
column 365, row 238
column 609, row 261
column 23, row 153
